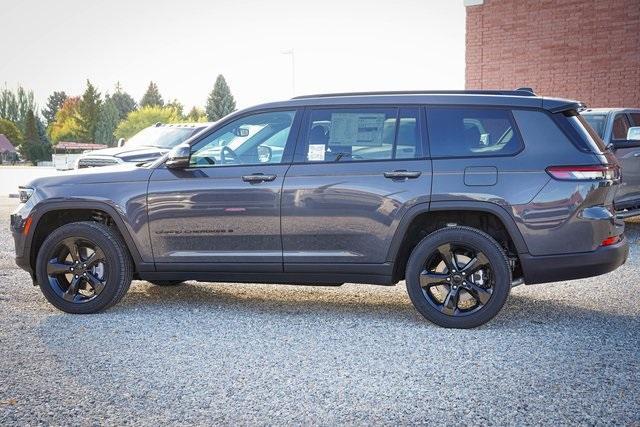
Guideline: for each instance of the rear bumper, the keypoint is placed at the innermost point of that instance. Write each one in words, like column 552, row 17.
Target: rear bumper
column 555, row 268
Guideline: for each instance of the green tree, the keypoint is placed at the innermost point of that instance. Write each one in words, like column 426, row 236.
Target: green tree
column 11, row 131
column 152, row 97
column 88, row 111
column 220, row 102
column 31, row 147
column 8, row 105
column 107, row 122
column 145, row 117
column 54, row 102
column 176, row 105
column 123, row 102
column 196, row 115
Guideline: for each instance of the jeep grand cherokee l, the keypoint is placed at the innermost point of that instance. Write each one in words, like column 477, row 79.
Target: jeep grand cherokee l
column 461, row 194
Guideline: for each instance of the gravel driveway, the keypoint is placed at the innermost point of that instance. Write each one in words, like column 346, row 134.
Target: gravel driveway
column 227, row 353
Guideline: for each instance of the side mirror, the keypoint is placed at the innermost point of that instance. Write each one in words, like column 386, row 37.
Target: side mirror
column 120, row 142
column 633, row 134
column 178, row 157
column 264, row 154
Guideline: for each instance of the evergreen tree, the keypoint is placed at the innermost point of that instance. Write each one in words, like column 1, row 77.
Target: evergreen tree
column 123, row 102
column 220, row 102
column 196, row 115
column 54, row 102
column 42, row 132
column 88, row 111
column 152, row 97
column 30, row 147
column 8, row 105
column 107, row 122
column 26, row 102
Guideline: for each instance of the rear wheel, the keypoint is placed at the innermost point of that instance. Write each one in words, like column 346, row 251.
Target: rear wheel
column 84, row 267
column 458, row 277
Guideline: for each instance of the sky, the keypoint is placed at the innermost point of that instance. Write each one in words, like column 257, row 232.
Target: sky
column 338, row 45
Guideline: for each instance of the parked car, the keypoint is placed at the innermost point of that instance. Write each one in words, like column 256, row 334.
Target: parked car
column 148, row 144
column 620, row 130
column 461, row 194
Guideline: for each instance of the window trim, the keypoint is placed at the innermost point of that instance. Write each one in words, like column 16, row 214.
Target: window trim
column 299, row 156
column 508, row 110
column 287, row 153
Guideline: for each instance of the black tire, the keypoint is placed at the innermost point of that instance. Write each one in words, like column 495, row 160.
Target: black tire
column 423, row 278
column 112, row 260
column 166, row 282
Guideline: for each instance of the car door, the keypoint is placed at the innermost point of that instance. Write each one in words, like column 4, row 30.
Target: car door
column 628, row 155
column 356, row 172
column 222, row 213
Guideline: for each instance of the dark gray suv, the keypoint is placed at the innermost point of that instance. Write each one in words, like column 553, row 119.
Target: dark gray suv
column 461, row 194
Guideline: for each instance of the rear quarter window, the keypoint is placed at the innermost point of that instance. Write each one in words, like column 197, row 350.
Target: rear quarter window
column 472, row 132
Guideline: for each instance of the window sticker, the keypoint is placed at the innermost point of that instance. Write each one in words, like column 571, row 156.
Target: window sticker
column 316, row 152
column 362, row 129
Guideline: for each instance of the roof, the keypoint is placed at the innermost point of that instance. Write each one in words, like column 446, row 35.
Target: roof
column 513, row 99
column 5, row 145
column 609, row 110
column 78, row 146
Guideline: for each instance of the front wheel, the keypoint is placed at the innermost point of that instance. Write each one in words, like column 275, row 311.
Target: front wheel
column 458, row 277
column 84, row 267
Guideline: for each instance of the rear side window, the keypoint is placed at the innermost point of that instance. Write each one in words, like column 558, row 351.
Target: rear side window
column 621, row 126
column 351, row 135
column 471, row 132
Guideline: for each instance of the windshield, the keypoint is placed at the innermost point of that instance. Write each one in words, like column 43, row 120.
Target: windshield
column 160, row 136
column 597, row 122
column 593, row 140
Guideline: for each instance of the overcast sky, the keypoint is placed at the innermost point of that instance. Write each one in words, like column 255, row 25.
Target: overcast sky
column 339, row 45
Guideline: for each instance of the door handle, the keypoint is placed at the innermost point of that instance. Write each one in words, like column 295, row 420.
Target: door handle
column 636, row 155
column 258, row 177
column 402, row 174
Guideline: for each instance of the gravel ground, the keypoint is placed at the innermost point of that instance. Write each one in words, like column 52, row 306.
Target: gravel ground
column 561, row 353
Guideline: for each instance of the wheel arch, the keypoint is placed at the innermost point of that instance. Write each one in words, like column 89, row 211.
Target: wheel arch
column 68, row 212
column 403, row 240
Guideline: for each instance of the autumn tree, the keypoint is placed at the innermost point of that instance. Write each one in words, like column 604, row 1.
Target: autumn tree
column 145, row 117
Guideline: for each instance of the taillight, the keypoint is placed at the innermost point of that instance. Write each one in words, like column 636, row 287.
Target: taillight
column 610, row 241
column 584, row 173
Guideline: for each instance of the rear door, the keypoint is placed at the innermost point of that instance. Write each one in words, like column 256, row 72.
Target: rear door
column 628, row 194
column 356, row 171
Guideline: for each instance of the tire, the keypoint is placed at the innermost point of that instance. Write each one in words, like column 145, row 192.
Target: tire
column 167, row 283
column 102, row 280
column 485, row 289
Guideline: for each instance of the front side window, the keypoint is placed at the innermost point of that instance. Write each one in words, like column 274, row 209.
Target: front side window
column 251, row 140
column 470, row 132
column 348, row 135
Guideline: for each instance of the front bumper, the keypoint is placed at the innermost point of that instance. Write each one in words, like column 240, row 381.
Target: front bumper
column 555, row 268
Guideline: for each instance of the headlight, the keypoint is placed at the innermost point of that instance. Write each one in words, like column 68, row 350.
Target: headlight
column 25, row 193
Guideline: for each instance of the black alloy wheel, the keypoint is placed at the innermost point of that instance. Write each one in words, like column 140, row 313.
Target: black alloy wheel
column 458, row 277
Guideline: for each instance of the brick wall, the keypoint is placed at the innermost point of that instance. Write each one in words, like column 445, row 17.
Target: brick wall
column 587, row 50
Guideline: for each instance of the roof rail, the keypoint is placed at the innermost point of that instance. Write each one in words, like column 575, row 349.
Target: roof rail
column 517, row 92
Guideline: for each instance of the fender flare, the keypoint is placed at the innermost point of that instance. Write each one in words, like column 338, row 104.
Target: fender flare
column 456, row 205
column 45, row 207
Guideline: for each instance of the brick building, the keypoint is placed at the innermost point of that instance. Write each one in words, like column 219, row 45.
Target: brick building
column 581, row 49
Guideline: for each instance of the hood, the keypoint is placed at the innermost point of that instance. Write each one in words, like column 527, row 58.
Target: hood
column 127, row 154
column 119, row 173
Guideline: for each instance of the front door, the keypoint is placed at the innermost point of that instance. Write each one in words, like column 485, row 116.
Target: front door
column 223, row 212
column 356, row 172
